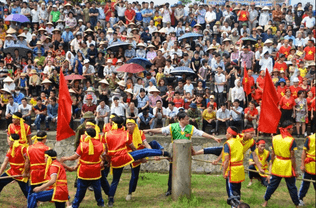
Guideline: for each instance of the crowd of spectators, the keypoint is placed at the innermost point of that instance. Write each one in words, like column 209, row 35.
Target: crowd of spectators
column 73, row 38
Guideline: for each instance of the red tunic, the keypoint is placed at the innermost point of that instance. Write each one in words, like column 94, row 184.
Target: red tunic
column 252, row 112
column 36, row 153
column 107, row 127
column 287, row 103
column 309, row 53
column 137, row 146
column 17, row 162
column 294, row 91
column 60, row 186
column 16, row 129
column 101, row 138
column 89, row 165
column 309, row 103
column 117, row 142
column 260, row 81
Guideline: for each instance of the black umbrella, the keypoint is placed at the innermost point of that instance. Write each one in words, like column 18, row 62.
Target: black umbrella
column 22, row 49
column 114, row 46
column 252, row 40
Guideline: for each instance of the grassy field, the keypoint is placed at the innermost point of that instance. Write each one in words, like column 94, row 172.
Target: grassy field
column 207, row 191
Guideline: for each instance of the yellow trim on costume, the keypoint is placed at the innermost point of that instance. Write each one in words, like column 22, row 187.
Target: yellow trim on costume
column 36, row 164
column 36, row 138
column 23, row 134
column 90, row 163
column 171, row 133
column 88, row 139
column 117, row 150
column 48, row 163
column 137, row 140
column 191, row 132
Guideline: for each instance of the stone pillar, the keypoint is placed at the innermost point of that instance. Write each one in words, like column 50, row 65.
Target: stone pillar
column 181, row 169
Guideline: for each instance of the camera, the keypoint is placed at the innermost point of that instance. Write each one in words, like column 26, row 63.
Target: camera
column 234, row 200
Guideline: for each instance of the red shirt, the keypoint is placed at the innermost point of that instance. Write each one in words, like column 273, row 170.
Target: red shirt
column 313, row 90
column 251, row 80
column 16, row 129
column 309, row 103
column 252, row 112
column 214, row 104
column 287, row 104
column 309, row 53
column 108, row 15
column 281, row 91
column 86, row 108
column 243, row 15
column 178, row 103
column 285, row 51
column 313, row 106
column 257, row 95
column 129, row 14
column 17, row 162
column 280, row 66
column 294, row 91
column 60, row 186
column 260, row 81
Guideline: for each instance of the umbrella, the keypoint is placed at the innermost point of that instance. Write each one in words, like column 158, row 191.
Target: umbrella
column 22, row 49
column 252, row 40
column 131, row 68
column 182, row 70
column 141, row 61
column 74, row 77
column 17, row 18
column 190, row 35
column 116, row 45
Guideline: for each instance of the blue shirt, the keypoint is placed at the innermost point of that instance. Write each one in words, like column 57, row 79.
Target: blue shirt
column 101, row 14
column 15, row 10
column 146, row 11
column 219, row 15
column 67, row 37
column 52, row 111
column 138, row 16
column 36, row 49
column 141, row 102
column 287, row 37
column 201, row 16
column 265, row 36
column 18, row 98
column 145, row 120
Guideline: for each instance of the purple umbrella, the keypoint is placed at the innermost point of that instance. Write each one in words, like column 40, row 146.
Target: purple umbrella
column 17, row 18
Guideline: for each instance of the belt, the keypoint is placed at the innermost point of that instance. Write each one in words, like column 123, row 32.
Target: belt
column 83, row 162
column 309, row 160
column 283, row 158
column 238, row 163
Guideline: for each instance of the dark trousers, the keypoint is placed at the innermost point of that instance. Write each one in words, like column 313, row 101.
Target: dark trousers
column 237, row 123
column 232, row 188
column 219, row 98
column 117, row 172
column 82, row 186
column 286, row 115
column 135, row 171
column 31, row 187
column 252, row 175
column 170, row 177
column 212, row 124
column 104, row 182
column 213, row 151
column 305, row 185
column 221, row 123
column 43, row 196
column 274, row 183
column 23, row 186
column 195, row 124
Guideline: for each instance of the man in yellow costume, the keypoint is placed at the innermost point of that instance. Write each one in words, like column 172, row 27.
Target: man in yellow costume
column 283, row 163
column 307, row 166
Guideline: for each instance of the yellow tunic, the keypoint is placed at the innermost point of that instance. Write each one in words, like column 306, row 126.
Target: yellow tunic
column 263, row 160
column 310, row 155
column 247, row 144
column 282, row 164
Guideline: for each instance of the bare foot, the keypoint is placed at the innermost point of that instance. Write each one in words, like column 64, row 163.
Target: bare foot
column 265, row 204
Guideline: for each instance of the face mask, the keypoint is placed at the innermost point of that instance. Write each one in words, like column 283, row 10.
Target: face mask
column 17, row 92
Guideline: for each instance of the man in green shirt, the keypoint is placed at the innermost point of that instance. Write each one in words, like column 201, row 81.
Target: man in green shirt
column 55, row 14
column 181, row 130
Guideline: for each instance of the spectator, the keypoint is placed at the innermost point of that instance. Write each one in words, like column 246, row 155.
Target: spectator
column 132, row 111
column 222, row 117
column 145, row 120
column 26, row 111
column 220, row 81
column 102, row 113
column 251, row 115
column 236, row 113
column 11, row 108
column 18, row 95
column 209, row 119
column 301, row 113
column 195, row 116
column 52, row 112
column 159, row 114
column 40, row 114
column 89, row 106
column 118, row 107
column 171, row 113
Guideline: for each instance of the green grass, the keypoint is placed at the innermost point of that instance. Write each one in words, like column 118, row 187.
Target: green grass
column 207, row 191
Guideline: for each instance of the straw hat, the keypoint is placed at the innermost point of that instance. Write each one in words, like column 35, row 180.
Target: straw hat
column 129, row 91
column 86, row 61
column 265, row 8
column 103, row 81
column 88, row 30
column 23, row 75
column 141, row 45
column 197, row 25
column 236, row 8
column 227, row 39
column 90, row 89
column 68, row 4
column 8, row 79
column 38, row 43
column 151, row 46
column 259, row 28
column 154, row 89
column 211, row 48
column 60, row 20
column 33, row 71
column 130, row 36
column 187, row 46
column 121, row 83
column 311, row 64
column 268, row 41
column 11, row 31
column 162, row 30
column 217, row 23
column 41, row 29
column 9, row 36
column 5, row 90
column 110, row 30
column 56, row 30
column 300, row 9
column 71, row 91
column 49, row 23
column 21, row 35
column 46, row 81
column 109, row 61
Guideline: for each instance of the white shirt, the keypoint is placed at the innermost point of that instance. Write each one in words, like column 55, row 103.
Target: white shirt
column 119, row 110
column 310, row 22
column 300, row 42
column 219, row 79
column 169, row 30
column 266, row 64
column 209, row 16
column 152, row 29
column 107, row 70
column 196, row 132
column 264, row 18
column 25, row 110
column 168, row 70
column 155, row 112
column 238, row 93
column 102, row 111
column 35, row 15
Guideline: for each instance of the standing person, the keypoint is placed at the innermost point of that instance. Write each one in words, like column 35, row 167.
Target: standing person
column 55, row 189
column 35, row 161
column 284, row 163
column 265, row 160
column 15, row 127
column 139, row 141
column 220, row 81
column 287, row 106
column 180, row 130
column 301, row 113
column 117, row 142
column 307, row 166
column 91, row 154
column 93, row 14
column 16, row 158
column 233, row 169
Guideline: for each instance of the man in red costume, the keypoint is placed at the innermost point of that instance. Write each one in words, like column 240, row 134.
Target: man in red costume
column 15, row 128
column 55, row 189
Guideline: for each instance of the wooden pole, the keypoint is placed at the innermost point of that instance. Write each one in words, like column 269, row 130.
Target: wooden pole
column 160, row 158
column 181, row 169
column 14, row 176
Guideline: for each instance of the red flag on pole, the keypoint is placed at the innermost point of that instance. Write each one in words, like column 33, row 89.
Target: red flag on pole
column 246, row 82
column 64, row 111
column 270, row 114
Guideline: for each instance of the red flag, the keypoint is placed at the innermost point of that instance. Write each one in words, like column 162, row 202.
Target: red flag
column 64, row 111
column 270, row 114
column 246, row 82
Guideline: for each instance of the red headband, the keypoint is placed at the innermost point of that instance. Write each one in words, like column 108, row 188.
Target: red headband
column 232, row 132
column 284, row 132
column 248, row 130
column 261, row 142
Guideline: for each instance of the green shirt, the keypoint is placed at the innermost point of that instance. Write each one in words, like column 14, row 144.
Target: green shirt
column 79, row 131
column 176, row 132
column 55, row 15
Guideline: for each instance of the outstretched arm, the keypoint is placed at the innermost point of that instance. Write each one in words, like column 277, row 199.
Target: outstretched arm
column 71, row 158
column 206, row 135
column 155, row 131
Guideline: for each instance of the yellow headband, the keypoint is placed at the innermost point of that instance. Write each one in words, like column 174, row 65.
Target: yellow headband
column 23, row 133
column 130, row 121
column 88, row 139
column 137, row 138
column 96, row 128
column 112, row 116
column 35, row 138
column 48, row 163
